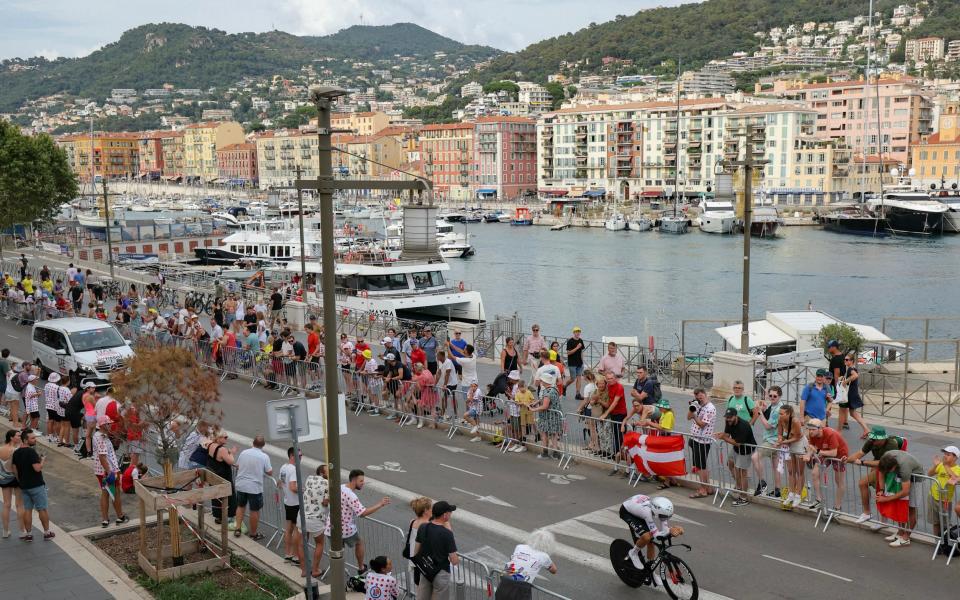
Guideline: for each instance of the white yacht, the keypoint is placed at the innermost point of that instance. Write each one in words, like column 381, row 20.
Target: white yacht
column 455, row 245
column 616, row 222
column 911, row 212
column 641, row 224
column 717, row 216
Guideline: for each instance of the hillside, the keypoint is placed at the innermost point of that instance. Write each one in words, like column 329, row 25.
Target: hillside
column 695, row 33
column 152, row 55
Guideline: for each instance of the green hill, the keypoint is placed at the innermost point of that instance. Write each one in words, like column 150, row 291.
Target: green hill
column 196, row 57
column 696, row 33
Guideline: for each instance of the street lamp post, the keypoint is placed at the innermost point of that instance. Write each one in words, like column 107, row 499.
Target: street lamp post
column 322, row 97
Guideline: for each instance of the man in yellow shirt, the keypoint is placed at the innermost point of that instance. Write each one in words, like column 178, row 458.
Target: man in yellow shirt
column 947, row 473
column 27, row 282
column 7, row 279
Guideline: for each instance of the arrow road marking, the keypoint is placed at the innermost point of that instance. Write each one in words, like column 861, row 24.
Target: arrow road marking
column 457, row 450
column 461, row 470
column 490, row 499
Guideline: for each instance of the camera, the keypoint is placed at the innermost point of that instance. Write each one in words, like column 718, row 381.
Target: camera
column 694, row 406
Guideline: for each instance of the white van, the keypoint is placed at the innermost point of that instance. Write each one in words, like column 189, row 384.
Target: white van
column 84, row 349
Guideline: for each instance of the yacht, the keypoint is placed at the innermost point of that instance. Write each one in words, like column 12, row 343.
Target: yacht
column 766, row 221
column 674, row 224
column 456, row 247
column 717, row 217
column 911, row 212
column 856, row 221
column 951, row 198
column 641, row 224
column 615, row 223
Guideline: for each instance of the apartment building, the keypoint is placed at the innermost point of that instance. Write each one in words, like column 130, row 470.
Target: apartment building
column 535, row 96
column 375, row 156
column 924, row 49
column 505, row 156
column 936, row 158
column 360, row 123
column 849, row 111
column 706, row 83
column 200, row 144
column 447, row 155
column 172, row 147
column 150, row 150
column 280, row 152
column 113, row 155
column 237, row 164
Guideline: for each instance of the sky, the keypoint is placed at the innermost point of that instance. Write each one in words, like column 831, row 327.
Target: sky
column 54, row 28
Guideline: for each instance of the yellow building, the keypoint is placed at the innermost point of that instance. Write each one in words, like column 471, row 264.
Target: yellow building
column 936, row 158
column 360, row 123
column 115, row 155
column 200, row 144
column 387, row 150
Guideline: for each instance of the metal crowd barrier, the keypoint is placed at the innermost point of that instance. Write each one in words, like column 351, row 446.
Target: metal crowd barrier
column 471, row 580
column 539, row 593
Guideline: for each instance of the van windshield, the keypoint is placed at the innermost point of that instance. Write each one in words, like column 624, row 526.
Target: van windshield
column 96, row 339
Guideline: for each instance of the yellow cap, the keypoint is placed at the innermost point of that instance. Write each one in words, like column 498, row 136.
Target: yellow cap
column 576, row 329
column 367, row 354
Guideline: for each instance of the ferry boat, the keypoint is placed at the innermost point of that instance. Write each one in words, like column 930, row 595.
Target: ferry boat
column 522, row 216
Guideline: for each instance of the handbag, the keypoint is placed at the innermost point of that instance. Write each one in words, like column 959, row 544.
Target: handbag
column 199, row 455
column 427, row 566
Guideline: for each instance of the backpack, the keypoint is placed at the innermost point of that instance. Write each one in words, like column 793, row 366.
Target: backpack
column 657, row 392
column 15, row 382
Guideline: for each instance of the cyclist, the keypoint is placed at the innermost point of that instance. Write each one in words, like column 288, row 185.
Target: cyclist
column 648, row 518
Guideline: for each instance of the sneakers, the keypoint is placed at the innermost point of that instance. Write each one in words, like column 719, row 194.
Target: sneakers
column 740, row 502
column 863, row 518
column 900, row 541
column 775, row 493
column 543, row 455
column 634, row 556
column 761, row 488
column 420, row 424
column 519, row 448
column 891, row 538
column 476, row 438
column 474, row 430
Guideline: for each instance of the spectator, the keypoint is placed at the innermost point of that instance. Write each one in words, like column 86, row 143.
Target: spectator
column 428, row 344
column 549, row 420
column 575, row 347
column 616, row 411
column 276, row 306
column 292, row 542
column 523, row 399
column 416, row 354
column 426, row 395
column 436, row 544
column 8, row 482
column 816, row 397
column 768, row 414
column 850, row 382
column 31, row 400
column 612, row 361
column 468, row 367
column 132, row 473
column 316, row 511
column 253, row 465
column 947, row 473
column 90, row 399
column 220, row 461
column 352, row 509
column 421, row 508
column 826, row 443
column 739, row 434
column 525, row 564
column 51, row 396
column 474, row 406
column 107, row 469
column 878, row 443
column 380, row 583
column 792, row 447
column 28, row 468
column 447, row 382
column 10, row 395
column 509, row 357
column 903, row 467
column 585, row 410
column 530, row 353
column 643, row 390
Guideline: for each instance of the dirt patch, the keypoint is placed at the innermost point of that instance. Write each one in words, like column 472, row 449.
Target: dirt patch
column 123, row 547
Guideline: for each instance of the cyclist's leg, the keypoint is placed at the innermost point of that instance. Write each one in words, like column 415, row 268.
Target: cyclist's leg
column 638, row 528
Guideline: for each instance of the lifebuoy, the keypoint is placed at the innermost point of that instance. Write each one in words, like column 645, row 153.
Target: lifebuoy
column 461, row 286
column 363, row 293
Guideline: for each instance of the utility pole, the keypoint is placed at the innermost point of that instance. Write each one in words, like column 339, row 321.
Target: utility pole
column 752, row 135
column 303, row 250
column 106, row 216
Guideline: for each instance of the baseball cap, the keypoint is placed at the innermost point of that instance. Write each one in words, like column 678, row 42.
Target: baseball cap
column 878, row 433
column 103, row 420
column 89, row 385
column 414, row 341
column 821, row 372
column 367, row 354
column 731, row 412
column 833, row 344
column 387, row 340
column 814, row 423
column 952, row 450
column 442, row 507
column 576, row 329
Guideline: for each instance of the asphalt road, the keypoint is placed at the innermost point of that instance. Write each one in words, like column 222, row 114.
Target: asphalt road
column 753, row 552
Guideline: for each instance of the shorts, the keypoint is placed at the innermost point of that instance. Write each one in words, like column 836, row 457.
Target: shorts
column 52, row 415
column 472, row 413
column 90, row 419
column 638, row 527
column 315, row 526
column 275, row 314
column 254, row 500
column 574, row 371
column 515, row 425
column 11, row 484
column 350, row 541
column 741, row 461
column 112, row 488
column 768, row 451
column 291, row 513
column 915, row 494
column 699, row 452
column 35, row 498
column 34, row 414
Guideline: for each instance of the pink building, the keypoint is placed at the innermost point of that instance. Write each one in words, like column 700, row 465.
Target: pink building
column 505, row 155
column 237, row 164
column 905, row 114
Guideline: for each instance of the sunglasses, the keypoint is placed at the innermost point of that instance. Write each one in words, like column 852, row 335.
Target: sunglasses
column 774, row 396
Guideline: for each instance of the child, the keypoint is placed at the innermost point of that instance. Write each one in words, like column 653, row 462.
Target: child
column 514, row 430
column 474, row 407
column 380, row 582
column 132, row 473
column 523, row 399
column 663, row 426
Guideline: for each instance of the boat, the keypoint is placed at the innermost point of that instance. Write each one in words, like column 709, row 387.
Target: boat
column 674, row 224
column 505, row 218
column 641, row 224
column 522, row 216
column 856, row 220
column 458, row 247
column 951, row 198
column 765, row 221
column 492, row 217
column 911, row 212
column 472, row 217
column 717, row 216
column 615, row 223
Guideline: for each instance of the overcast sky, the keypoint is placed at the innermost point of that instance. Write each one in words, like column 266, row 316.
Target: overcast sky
column 55, row 28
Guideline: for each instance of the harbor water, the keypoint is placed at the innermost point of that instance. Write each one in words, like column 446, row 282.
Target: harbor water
column 643, row 284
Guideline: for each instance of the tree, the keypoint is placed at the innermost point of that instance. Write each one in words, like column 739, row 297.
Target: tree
column 849, row 338
column 171, row 392
column 508, row 86
column 556, row 90
column 35, row 177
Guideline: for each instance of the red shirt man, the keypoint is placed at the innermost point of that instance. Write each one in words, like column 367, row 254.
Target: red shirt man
column 618, row 402
column 828, row 439
column 417, row 355
column 358, row 359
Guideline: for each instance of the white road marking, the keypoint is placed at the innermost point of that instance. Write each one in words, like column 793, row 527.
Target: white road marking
column 798, row 565
column 461, row 470
column 13, row 336
column 490, row 499
column 457, row 450
column 515, row 534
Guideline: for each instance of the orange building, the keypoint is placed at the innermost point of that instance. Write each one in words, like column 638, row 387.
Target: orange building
column 114, row 155
column 447, row 155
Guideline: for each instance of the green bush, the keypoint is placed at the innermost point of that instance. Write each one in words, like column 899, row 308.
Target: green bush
column 849, row 338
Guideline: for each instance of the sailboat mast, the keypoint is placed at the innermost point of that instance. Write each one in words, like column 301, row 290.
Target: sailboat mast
column 676, row 151
column 866, row 106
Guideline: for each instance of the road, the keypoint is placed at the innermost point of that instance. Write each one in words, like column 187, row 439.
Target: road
column 744, row 553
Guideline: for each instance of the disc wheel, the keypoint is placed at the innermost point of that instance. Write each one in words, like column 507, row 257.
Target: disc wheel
column 622, row 566
column 678, row 579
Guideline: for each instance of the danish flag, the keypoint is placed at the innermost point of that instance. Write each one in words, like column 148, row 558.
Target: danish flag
column 656, row 455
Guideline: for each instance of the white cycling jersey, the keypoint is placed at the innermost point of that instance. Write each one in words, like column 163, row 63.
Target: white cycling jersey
column 641, row 507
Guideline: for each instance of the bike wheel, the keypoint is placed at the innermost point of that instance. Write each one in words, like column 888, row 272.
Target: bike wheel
column 678, row 579
column 622, row 565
